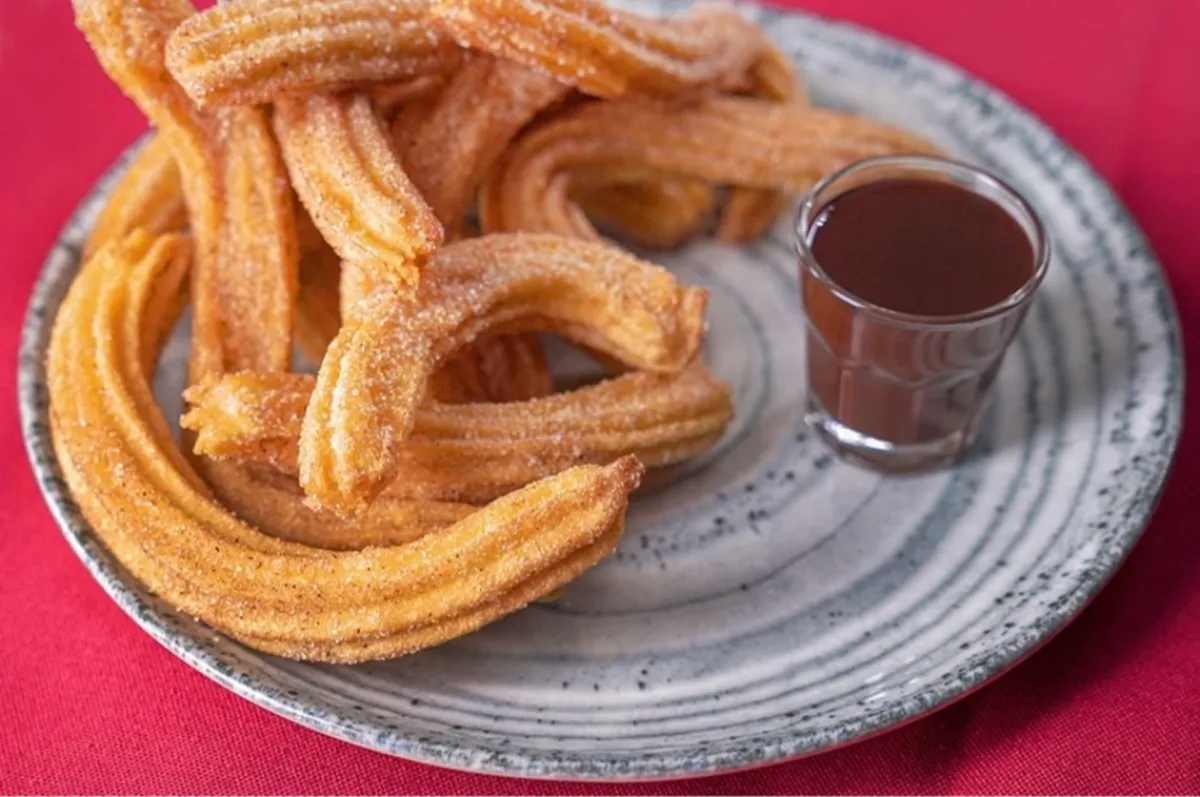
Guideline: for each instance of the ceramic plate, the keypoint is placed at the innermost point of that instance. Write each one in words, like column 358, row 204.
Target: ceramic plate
column 769, row 601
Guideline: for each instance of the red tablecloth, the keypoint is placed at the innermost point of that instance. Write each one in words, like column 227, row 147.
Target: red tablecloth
column 88, row 703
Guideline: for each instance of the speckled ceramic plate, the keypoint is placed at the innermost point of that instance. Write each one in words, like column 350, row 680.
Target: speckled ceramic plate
column 769, row 601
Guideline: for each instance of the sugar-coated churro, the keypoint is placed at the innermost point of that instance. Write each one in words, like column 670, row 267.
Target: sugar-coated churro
column 386, row 351
column 255, row 51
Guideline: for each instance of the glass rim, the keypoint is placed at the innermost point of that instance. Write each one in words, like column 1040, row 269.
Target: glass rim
column 1038, row 239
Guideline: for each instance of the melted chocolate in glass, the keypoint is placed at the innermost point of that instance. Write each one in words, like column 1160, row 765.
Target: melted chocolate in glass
column 923, row 247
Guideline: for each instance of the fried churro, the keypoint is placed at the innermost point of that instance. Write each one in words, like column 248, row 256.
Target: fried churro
column 347, row 174
column 466, row 128
column 226, row 163
column 385, row 352
column 749, row 212
column 428, row 479
column 726, row 140
column 605, row 52
column 147, row 196
column 476, row 452
column 243, row 276
column 287, row 598
column 659, row 215
column 256, row 51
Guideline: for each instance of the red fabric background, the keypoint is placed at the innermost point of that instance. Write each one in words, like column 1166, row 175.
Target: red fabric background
column 90, row 704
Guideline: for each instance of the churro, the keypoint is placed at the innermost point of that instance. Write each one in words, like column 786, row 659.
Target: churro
column 428, row 479
column 256, row 51
column 749, row 212
column 659, row 215
column 605, row 52
column 725, row 140
column 466, row 128
column 147, row 196
column 375, row 372
column 288, row 598
column 347, row 174
column 476, row 452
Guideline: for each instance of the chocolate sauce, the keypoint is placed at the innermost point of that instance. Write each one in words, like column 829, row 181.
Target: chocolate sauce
column 924, row 247
column 904, row 392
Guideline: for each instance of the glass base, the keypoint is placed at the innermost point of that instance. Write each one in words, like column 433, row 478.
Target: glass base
column 882, row 455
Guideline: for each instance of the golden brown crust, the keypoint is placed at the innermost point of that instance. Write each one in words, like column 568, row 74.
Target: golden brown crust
column 346, row 517
column 727, row 140
column 147, row 196
column 749, row 212
column 291, row 599
column 244, row 278
column 347, row 174
column 256, row 51
column 244, row 299
column 476, row 452
column 660, row 215
column 465, row 129
column 233, row 183
column 605, row 52
column 375, row 372
column 495, row 368
column 243, row 275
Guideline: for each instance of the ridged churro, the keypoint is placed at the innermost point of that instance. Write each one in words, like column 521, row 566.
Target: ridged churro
column 226, row 162
column 605, row 52
column 476, row 452
column 279, row 596
column 385, row 352
column 467, row 126
column 256, row 51
column 428, row 479
column 147, row 196
column 749, row 212
column 659, row 215
column 243, row 275
column 348, row 176
column 494, row 368
column 725, row 140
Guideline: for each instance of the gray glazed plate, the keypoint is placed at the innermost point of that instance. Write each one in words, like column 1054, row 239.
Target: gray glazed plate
column 770, row 601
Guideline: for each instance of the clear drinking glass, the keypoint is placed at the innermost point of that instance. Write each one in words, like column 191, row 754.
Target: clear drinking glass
column 891, row 390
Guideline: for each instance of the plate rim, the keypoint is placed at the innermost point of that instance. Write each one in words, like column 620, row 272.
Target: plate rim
column 52, row 283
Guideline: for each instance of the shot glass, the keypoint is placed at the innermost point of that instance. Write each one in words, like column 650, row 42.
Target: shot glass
column 890, row 390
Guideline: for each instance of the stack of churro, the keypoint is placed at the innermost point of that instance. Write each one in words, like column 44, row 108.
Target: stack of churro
column 409, row 191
